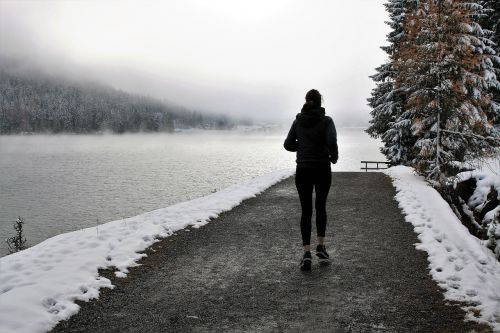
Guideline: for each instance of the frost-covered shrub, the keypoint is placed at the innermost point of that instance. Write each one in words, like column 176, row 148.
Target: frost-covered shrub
column 17, row 242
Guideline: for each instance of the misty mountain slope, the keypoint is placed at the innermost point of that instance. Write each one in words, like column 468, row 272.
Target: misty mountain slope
column 32, row 101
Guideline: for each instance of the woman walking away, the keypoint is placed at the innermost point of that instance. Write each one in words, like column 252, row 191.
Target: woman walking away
column 314, row 138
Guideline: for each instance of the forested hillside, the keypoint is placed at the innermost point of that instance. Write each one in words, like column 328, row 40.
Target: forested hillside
column 31, row 101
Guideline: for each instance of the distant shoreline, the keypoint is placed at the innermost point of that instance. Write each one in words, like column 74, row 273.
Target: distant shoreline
column 253, row 129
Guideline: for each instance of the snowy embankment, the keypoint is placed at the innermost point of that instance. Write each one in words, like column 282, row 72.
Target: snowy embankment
column 459, row 263
column 39, row 286
column 482, row 203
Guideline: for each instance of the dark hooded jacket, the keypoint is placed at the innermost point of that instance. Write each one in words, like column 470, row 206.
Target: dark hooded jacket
column 313, row 137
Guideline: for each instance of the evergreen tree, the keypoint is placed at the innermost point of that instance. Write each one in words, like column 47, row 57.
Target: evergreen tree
column 490, row 19
column 490, row 22
column 444, row 63
column 387, row 101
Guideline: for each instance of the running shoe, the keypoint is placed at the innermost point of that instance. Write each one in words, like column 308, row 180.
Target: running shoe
column 305, row 264
column 323, row 257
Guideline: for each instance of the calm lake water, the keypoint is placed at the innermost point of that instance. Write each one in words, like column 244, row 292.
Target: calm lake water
column 62, row 183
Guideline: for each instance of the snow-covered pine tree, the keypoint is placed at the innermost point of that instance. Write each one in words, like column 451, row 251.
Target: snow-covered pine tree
column 490, row 22
column 386, row 101
column 489, row 19
column 445, row 63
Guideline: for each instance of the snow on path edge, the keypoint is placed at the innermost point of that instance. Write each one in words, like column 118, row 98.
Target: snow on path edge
column 39, row 286
column 460, row 264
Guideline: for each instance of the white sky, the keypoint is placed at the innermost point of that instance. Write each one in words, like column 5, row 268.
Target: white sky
column 255, row 57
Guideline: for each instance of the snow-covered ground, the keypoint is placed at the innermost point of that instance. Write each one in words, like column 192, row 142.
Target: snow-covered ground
column 458, row 262
column 39, row 286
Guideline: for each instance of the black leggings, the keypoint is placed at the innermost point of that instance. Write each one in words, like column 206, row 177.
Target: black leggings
column 305, row 180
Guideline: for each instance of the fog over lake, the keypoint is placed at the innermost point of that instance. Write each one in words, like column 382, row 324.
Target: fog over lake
column 255, row 58
column 62, row 183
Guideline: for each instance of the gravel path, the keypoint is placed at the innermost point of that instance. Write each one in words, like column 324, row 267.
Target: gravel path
column 240, row 273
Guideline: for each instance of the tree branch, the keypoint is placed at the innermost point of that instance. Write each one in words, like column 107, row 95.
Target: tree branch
column 471, row 135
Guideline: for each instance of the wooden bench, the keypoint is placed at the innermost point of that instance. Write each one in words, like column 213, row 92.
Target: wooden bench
column 385, row 165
